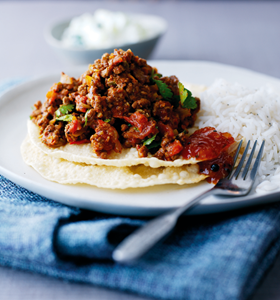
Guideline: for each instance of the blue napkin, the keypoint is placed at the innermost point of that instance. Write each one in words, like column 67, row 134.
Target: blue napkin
column 221, row 256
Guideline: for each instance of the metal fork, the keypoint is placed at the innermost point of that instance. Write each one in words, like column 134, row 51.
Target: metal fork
column 143, row 239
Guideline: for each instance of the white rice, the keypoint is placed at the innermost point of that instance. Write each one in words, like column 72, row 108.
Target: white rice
column 250, row 113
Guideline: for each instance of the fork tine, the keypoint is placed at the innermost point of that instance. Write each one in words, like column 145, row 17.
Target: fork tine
column 235, row 158
column 239, row 167
column 257, row 162
column 237, row 153
column 246, row 169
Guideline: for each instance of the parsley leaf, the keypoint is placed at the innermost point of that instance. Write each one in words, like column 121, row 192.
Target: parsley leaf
column 151, row 143
column 190, row 102
column 186, row 98
column 150, row 140
column 64, row 109
column 107, row 120
column 66, row 118
column 164, row 90
column 86, row 117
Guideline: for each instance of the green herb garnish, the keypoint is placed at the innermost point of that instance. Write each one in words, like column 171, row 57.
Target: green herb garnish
column 107, row 120
column 164, row 90
column 186, row 98
column 64, row 110
column 151, row 143
column 67, row 118
column 150, row 140
column 86, row 115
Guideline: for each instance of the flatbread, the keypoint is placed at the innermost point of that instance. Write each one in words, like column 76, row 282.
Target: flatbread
column 68, row 172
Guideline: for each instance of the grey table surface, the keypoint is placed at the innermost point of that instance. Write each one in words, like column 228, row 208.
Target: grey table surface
column 239, row 33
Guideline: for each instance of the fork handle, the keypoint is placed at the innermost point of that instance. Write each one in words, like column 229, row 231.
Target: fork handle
column 143, row 239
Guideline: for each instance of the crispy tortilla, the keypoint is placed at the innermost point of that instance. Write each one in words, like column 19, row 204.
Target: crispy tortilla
column 68, row 172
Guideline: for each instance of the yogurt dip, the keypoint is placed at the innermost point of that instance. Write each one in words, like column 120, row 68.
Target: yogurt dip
column 105, row 29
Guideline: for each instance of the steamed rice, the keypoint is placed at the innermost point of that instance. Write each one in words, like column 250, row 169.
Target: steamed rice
column 250, row 113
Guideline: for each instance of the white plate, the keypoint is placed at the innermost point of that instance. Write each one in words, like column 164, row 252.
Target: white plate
column 15, row 108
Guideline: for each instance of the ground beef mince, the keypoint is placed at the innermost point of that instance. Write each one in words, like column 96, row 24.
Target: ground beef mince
column 53, row 135
column 119, row 102
column 105, row 139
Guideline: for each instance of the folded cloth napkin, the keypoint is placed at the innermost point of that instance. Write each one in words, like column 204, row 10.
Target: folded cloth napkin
column 222, row 256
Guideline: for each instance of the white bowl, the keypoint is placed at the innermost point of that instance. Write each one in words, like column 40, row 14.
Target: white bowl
column 80, row 55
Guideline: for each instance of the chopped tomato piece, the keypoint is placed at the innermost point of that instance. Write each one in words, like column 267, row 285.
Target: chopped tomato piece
column 165, row 130
column 174, row 148
column 206, row 144
column 74, row 126
column 101, row 122
column 138, row 120
column 142, row 128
